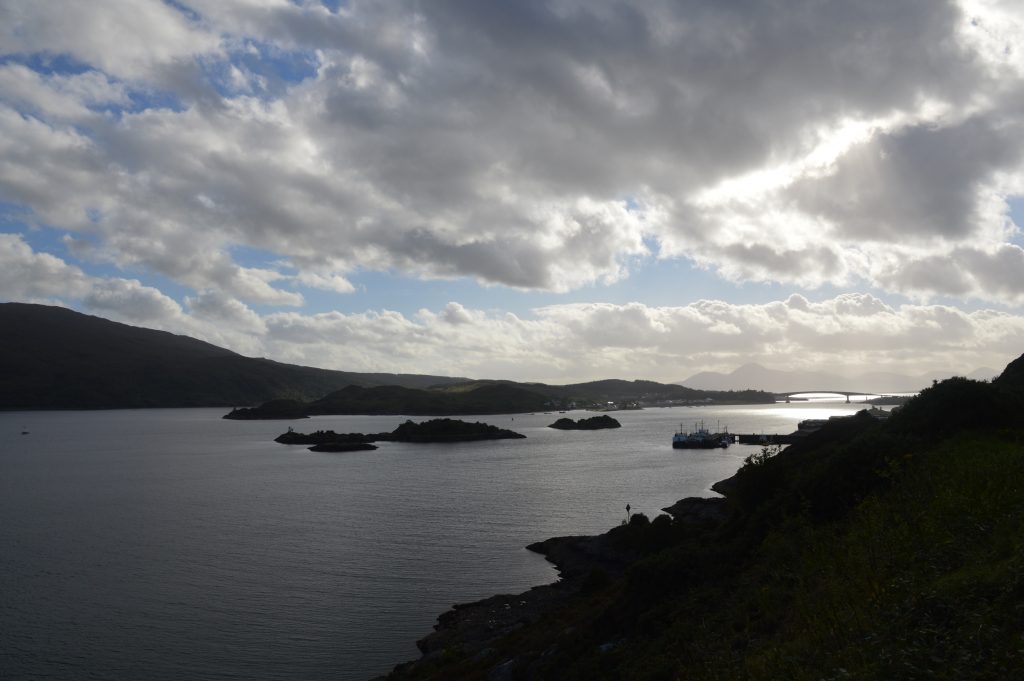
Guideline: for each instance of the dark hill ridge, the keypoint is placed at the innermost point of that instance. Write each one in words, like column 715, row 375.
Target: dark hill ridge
column 621, row 391
column 485, row 399
column 393, row 399
column 55, row 358
column 491, row 397
column 1012, row 377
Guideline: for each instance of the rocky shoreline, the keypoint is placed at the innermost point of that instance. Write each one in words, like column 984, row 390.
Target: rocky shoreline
column 583, row 562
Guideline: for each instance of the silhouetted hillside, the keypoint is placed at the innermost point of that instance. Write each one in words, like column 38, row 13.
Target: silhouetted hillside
column 1012, row 377
column 55, row 358
column 485, row 399
column 493, row 397
column 596, row 393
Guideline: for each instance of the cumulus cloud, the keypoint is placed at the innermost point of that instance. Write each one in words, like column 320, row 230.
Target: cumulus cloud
column 59, row 96
column 576, row 342
column 26, row 275
column 846, row 332
column 130, row 39
column 962, row 272
column 127, row 299
column 29, row 276
column 565, row 343
column 556, row 343
column 532, row 145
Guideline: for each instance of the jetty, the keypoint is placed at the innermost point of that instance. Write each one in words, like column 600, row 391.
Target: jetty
column 768, row 438
column 803, row 429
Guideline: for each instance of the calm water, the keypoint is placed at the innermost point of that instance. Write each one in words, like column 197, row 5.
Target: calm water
column 172, row 544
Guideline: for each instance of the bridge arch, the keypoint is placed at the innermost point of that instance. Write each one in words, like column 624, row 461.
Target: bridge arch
column 787, row 396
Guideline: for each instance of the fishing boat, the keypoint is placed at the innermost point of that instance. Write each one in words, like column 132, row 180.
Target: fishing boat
column 700, row 438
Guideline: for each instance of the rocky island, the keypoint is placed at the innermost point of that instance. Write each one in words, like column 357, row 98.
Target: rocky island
column 448, row 430
column 321, row 437
column 593, row 423
column 434, row 430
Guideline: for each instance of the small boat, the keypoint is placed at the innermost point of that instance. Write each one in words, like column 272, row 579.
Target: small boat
column 700, row 438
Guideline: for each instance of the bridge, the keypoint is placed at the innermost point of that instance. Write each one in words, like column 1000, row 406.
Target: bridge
column 787, row 396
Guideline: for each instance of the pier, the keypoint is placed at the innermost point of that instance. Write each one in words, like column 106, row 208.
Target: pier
column 768, row 438
column 803, row 429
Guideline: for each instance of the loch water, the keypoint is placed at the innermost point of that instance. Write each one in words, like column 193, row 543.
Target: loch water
column 173, row 544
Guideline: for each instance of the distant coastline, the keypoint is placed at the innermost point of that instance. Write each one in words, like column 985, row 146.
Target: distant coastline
column 496, row 397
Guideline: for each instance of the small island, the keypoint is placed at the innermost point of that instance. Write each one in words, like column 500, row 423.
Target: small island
column 593, row 423
column 448, row 430
column 322, row 437
column 435, row 430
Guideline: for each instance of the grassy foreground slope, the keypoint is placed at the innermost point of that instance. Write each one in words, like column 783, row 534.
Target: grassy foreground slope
column 872, row 551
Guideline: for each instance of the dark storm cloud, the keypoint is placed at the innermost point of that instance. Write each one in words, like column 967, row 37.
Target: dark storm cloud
column 920, row 182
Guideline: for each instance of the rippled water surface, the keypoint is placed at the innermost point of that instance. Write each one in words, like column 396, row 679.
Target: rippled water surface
column 172, row 544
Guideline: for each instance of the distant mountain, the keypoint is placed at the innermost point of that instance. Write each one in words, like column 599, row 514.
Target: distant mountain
column 620, row 391
column 55, row 358
column 755, row 376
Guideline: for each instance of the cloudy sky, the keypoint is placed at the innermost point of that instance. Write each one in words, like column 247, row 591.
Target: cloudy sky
column 556, row 191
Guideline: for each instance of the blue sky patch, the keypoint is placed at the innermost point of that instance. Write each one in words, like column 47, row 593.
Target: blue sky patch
column 269, row 69
column 48, row 63
column 1017, row 215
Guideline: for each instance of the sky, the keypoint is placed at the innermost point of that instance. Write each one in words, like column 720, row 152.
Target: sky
column 557, row 191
